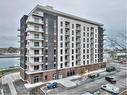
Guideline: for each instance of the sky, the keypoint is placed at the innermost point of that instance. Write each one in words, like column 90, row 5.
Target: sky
column 112, row 13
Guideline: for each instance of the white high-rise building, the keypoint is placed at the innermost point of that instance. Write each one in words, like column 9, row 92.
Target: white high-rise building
column 55, row 45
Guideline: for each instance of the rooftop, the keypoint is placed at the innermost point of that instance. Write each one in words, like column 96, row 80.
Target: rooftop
column 59, row 13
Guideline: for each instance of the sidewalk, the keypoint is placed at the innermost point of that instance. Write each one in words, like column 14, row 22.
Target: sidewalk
column 9, row 79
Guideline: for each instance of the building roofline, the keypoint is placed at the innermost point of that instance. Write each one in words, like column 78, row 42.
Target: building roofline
column 59, row 13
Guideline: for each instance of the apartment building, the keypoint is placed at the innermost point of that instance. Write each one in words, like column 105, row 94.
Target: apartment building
column 56, row 45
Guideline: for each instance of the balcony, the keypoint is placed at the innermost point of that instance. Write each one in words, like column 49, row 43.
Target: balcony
column 33, row 30
column 33, row 38
column 34, row 55
column 78, row 34
column 35, row 22
column 36, row 47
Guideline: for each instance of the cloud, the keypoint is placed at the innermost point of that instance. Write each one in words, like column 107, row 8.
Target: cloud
column 109, row 12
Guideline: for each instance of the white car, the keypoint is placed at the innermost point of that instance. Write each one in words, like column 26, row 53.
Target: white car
column 87, row 93
column 110, row 88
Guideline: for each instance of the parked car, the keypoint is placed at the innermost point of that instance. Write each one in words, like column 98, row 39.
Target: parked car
column 87, row 93
column 110, row 69
column 92, row 76
column 110, row 79
column 110, row 88
column 52, row 85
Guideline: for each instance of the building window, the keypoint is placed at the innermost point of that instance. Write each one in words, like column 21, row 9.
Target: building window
column 87, row 34
column 46, row 77
column 61, row 23
column 72, row 51
column 46, row 67
column 83, row 45
column 87, row 45
column 36, row 59
column 61, row 31
column 72, row 57
column 36, row 43
column 87, row 28
column 36, row 67
column 83, row 50
column 84, row 62
column 95, row 35
column 61, row 58
column 87, row 39
column 61, row 65
column 61, row 44
column 36, row 79
column 61, row 51
column 83, row 56
column 36, row 35
column 83, row 33
column 87, row 56
column 87, row 50
column 84, row 28
column 83, row 39
column 72, row 26
column 36, row 27
column 72, row 38
column 61, row 37
column 87, row 61
column 72, row 32
column 36, row 51
column 36, row 19
column 72, row 63
column 72, row 45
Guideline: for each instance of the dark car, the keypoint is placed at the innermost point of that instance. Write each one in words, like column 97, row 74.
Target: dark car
column 52, row 85
column 110, row 79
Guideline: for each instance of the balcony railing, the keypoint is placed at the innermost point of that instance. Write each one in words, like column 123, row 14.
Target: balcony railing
column 33, row 30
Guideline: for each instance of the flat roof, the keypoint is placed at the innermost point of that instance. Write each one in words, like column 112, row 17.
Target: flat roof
column 59, row 13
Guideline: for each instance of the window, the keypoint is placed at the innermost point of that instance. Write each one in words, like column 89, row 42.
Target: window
column 72, row 45
column 87, row 61
column 36, row 19
column 61, row 51
column 36, row 79
column 36, row 43
column 46, row 67
column 72, row 63
column 83, row 45
column 87, row 50
column 84, row 28
column 61, row 58
column 36, row 51
column 61, row 44
column 87, row 28
column 83, row 50
column 36, row 67
column 72, row 57
column 83, row 39
column 72, row 51
column 72, row 32
column 87, row 56
column 87, row 34
column 95, row 45
column 46, row 77
column 72, row 26
column 36, row 59
column 95, row 40
column 61, row 65
column 36, row 27
column 87, row 45
column 95, row 35
column 72, row 38
column 61, row 31
column 61, row 37
column 61, row 23
column 83, row 56
column 87, row 39
column 83, row 62
column 36, row 35
column 83, row 33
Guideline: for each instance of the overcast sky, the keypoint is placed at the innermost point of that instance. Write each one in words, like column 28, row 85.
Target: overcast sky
column 109, row 12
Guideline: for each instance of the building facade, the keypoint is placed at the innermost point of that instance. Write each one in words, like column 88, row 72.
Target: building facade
column 55, row 45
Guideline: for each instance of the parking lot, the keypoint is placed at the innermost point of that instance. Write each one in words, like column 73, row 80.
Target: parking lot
column 88, row 85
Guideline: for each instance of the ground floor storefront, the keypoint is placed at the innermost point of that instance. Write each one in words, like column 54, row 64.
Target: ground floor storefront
column 62, row 73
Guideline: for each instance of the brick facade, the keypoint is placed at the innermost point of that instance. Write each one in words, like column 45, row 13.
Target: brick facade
column 49, row 75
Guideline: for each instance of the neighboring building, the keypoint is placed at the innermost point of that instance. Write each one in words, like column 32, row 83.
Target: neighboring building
column 56, row 45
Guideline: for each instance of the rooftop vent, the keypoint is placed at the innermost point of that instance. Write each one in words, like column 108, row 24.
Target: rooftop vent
column 49, row 7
